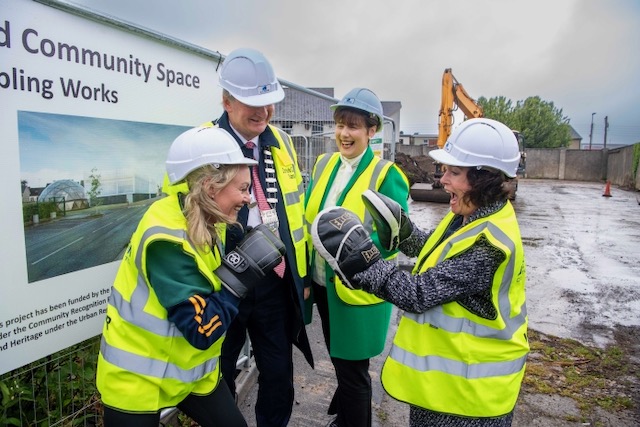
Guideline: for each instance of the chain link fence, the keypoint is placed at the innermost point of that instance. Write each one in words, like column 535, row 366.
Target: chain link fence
column 58, row 390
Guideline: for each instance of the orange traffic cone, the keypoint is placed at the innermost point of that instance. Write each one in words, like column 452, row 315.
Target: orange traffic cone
column 607, row 190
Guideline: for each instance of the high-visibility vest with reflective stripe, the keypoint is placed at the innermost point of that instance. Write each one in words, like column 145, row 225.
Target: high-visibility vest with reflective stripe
column 291, row 185
column 292, row 190
column 145, row 363
column 450, row 360
column 370, row 178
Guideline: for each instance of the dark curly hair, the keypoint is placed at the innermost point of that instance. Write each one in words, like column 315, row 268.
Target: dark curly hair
column 487, row 186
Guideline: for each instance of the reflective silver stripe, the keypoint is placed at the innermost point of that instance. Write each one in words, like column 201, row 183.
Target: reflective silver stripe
column 146, row 321
column 285, row 139
column 298, row 234
column 292, row 198
column 321, row 165
column 438, row 318
column 377, row 170
column 153, row 367
column 133, row 311
column 455, row 367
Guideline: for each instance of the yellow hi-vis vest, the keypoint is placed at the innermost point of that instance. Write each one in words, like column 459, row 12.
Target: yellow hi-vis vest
column 370, row 178
column 450, row 360
column 145, row 363
column 292, row 190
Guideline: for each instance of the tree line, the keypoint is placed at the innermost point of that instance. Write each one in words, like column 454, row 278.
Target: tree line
column 541, row 123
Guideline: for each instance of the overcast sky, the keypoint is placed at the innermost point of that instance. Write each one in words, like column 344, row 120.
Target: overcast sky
column 582, row 55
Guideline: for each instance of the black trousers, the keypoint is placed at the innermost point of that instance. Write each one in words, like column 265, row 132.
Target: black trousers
column 217, row 409
column 352, row 398
column 265, row 315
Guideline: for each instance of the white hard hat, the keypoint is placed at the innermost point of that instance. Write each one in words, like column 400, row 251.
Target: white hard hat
column 481, row 142
column 202, row 146
column 365, row 100
column 249, row 77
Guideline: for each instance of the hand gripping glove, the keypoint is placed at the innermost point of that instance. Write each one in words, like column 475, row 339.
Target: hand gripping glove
column 257, row 254
column 392, row 222
column 340, row 238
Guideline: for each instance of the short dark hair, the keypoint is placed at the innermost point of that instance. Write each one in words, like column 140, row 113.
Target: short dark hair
column 354, row 117
column 487, row 186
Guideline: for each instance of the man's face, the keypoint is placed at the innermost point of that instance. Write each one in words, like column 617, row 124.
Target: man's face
column 248, row 121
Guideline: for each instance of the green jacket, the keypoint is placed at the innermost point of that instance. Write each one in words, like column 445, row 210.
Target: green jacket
column 358, row 321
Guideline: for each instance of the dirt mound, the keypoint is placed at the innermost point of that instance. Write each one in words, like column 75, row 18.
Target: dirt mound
column 417, row 169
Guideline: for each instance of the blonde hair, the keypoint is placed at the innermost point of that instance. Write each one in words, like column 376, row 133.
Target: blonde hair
column 200, row 210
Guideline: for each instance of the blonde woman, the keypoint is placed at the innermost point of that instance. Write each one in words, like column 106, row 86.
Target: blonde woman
column 175, row 295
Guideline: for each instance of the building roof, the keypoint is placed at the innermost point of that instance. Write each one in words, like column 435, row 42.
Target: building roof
column 574, row 135
column 299, row 106
column 35, row 191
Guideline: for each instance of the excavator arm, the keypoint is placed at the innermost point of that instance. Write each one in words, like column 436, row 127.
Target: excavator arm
column 453, row 97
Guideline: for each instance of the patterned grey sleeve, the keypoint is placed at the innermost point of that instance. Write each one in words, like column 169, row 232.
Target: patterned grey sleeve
column 466, row 278
column 413, row 244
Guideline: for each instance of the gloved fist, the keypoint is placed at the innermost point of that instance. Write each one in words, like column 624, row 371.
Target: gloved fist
column 340, row 238
column 257, row 254
column 392, row 222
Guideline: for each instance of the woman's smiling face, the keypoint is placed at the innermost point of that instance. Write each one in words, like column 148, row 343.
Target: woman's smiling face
column 353, row 138
column 235, row 194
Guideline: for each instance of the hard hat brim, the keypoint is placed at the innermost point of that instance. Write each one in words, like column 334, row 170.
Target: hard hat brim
column 201, row 146
column 263, row 99
column 441, row 156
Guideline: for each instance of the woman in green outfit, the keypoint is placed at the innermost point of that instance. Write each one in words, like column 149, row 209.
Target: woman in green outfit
column 354, row 322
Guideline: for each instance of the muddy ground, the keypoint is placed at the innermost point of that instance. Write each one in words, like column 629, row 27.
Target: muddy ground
column 582, row 252
column 583, row 300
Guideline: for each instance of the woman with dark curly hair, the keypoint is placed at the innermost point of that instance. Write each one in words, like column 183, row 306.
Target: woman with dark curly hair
column 459, row 353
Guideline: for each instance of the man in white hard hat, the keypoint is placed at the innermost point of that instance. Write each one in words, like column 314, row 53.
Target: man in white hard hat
column 272, row 311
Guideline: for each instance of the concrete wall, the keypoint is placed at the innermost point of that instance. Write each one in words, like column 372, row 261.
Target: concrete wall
column 576, row 165
column 543, row 163
column 581, row 165
column 620, row 167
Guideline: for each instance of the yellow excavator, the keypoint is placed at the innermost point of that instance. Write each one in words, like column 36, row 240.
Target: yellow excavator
column 455, row 97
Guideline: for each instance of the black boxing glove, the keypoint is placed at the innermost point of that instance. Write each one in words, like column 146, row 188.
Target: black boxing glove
column 340, row 238
column 257, row 253
column 392, row 222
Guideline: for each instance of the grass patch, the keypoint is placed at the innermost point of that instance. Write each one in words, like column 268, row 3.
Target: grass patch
column 589, row 375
